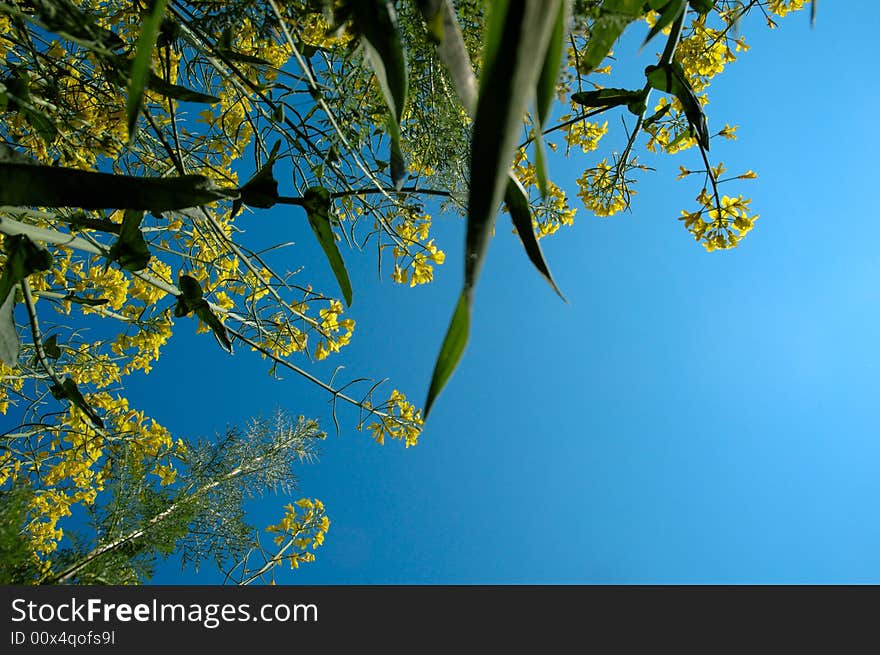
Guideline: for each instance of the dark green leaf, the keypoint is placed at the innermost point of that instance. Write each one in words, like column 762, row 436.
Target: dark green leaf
column 540, row 162
column 546, row 89
column 614, row 16
column 68, row 21
column 510, row 75
column 209, row 318
column 190, row 295
column 516, row 30
column 702, row 6
column 191, row 300
column 452, row 51
column 517, row 201
column 432, row 12
column 262, row 189
column 55, row 186
column 23, row 257
column 452, row 349
column 178, row 92
column 69, row 391
column 656, row 116
column 671, row 79
column 376, row 22
column 546, row 92
column 143, row 61
column 608, row 97
column 9, row 343
column 130, row 249
column 668, row 14
column 50, row 347
column 91, row 302
column 317, row 204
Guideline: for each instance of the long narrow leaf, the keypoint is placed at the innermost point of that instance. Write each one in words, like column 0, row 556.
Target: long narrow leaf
column 613, row 18
column 140, row 67
column 55, row 186
column 516, row 31
column 546, row 90
column 517, row 201
column 671, row 79
column 453, row 347
column 376, row 22
column 452, row 51
column 668, row 13
column 317, row 203
column 9, row 342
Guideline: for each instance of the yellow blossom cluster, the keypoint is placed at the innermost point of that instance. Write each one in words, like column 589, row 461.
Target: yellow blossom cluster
column 336, row 332
column 783, row 7
column 603, row 191
column 303, row 527
column 415, row 258
column 553, row 211
column 719, row 224
column 402, row 420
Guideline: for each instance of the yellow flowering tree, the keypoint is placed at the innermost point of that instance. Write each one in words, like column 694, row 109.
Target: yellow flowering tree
column 137, row 135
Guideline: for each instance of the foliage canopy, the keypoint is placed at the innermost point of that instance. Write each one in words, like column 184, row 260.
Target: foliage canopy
column 128, row 128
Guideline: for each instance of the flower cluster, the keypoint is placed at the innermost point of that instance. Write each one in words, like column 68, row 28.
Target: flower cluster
column 719, row 224
column 400, row 420
column 303, row 527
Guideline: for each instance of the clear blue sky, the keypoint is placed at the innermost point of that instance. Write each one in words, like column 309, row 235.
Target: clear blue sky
column 687, row 418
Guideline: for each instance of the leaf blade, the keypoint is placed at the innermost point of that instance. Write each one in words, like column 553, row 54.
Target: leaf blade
column 517, row 202
column 10, row 345
column 316, row 201
column 140, row 67
column 376, row 22
column 454, row 344
column 55, row 186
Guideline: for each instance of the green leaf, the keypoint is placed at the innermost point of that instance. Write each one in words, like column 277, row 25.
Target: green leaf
column 9, row 343
column 91, row 302
column 510, row 75
column 317, row 204
column 143, row 60
column 546, row 90
column 178, row 92
column 23, row 257
column 608, row 97
column 668, row 14
column 702, row 6
column 452, row 51
column 517, row 201
column 516, row 30
column 656, row 116
column 452, row 349
column 190, row 295
column 671, row 79
column 56, row 186
column 69, row 391
column 191, row 301
column 540, row 162
column 262, row 189
column 614, row 16
column 130, row 249
column 432, row 12
column 376, row 22
column 209, row 318
column 68, row 21
column 50, row 347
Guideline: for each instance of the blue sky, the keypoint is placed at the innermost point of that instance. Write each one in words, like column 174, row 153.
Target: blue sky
column 688, row 418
